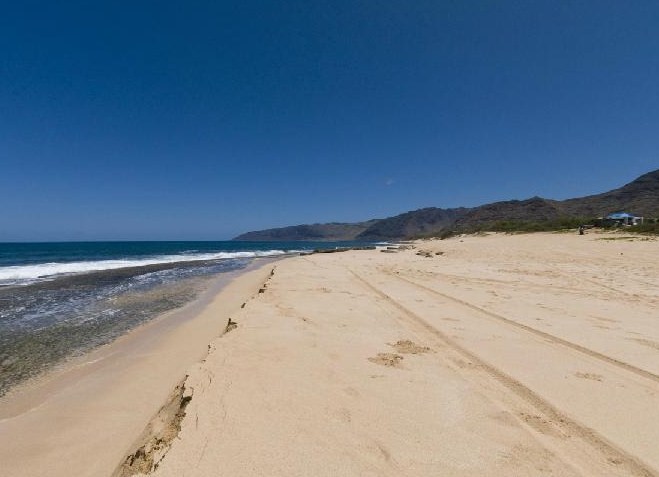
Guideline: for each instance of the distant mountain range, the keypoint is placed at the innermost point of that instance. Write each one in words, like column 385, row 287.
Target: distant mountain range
column 640, row 197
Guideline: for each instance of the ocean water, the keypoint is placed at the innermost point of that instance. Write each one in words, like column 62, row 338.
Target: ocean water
column 59, row 300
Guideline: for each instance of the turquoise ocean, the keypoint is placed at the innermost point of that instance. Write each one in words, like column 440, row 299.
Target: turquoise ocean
column 59, row 300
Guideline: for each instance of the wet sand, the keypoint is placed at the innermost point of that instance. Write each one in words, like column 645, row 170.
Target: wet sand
column 82, row 418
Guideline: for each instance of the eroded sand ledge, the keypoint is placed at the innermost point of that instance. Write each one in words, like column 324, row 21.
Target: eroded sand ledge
column 505, row 355
column 82, row 420
column 497, row 355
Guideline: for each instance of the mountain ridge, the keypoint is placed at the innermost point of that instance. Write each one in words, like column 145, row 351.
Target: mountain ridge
column 640, row 196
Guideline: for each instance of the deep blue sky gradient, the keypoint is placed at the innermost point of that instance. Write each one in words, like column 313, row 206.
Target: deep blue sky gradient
column 201, row 120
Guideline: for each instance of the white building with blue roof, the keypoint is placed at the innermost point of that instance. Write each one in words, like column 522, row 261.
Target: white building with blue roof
column 624, row 218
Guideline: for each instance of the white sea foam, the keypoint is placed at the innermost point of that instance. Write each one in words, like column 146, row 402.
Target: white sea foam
column 30, row 273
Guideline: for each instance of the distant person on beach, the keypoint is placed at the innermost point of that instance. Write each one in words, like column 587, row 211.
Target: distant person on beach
column 581, row 229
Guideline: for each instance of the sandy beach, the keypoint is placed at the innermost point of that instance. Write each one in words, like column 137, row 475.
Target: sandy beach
column 82, row 418
column 492, row 355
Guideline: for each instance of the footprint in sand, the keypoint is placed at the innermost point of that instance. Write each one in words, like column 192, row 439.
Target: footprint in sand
column 387, row 359
column 394, row 359
column 409, row 347
column 591, row 376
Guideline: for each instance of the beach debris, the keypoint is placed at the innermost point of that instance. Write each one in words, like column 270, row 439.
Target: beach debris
column 342, row 249
column 231, row 325
column 424, row 253
column 336, row 249
column 396, row 248
column 387, row 359
column 265, row 284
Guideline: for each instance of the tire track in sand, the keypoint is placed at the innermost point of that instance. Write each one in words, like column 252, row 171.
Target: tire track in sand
column 620, row 459
column 554, row 339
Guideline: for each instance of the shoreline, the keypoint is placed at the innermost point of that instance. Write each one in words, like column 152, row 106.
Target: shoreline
column 495, row 355
column 147, row 331
column 80, row 418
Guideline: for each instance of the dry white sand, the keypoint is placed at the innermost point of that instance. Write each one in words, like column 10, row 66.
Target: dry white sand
column 505, row 355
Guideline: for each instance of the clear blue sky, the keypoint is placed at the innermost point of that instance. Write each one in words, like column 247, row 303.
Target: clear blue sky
column 201, row 120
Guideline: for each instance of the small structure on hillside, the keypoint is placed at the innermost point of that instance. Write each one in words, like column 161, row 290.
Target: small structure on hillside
column 618, row 219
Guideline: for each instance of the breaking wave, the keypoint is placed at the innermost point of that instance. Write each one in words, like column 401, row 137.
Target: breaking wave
column 27, row 274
